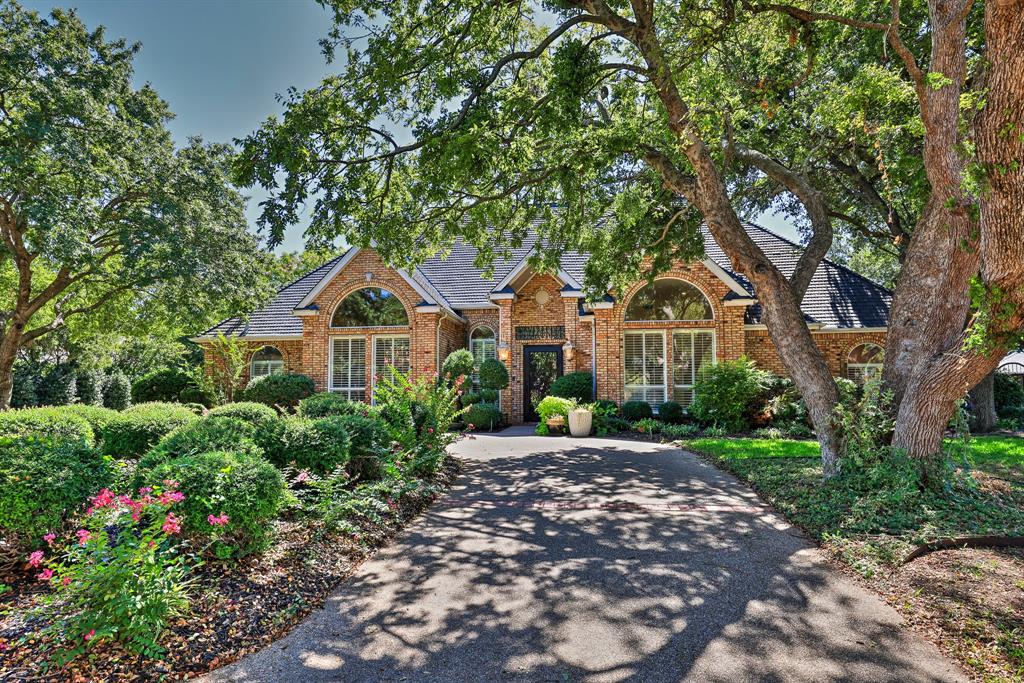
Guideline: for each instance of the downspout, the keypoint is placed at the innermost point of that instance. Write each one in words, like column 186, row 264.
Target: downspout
column 593, row 357
column 437, row 347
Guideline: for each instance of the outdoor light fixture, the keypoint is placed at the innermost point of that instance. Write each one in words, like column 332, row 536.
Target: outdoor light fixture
column 503, row 352
column 569, row 350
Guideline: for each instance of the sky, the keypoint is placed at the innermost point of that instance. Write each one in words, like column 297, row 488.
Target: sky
column 220, row 64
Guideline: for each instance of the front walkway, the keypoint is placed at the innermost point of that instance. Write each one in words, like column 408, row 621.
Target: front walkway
column 596, row 560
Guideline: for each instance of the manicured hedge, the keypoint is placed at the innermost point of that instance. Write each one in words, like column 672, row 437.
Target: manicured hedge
column 636, row 410
column 117, row 391
column 319, row 445
column 493, row 374
column 52, row 422
column 577, row 385
column 368, row 442
column 671, row 412
column 96, row 416
column 246, row 488
column 214, row 433
column 42, row 481
column 133, row 432
column 249, row 411
column 326, row 403
column 284, row 390
column 483, row 417
column 165, row 384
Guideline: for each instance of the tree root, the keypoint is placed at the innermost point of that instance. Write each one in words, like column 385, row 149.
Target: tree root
column 964, row 542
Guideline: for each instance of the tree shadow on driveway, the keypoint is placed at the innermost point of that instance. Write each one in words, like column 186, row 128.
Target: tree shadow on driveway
column 558, row 560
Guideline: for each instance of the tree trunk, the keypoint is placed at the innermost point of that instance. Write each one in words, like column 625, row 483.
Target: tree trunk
column 8, row 354
column 983, row 400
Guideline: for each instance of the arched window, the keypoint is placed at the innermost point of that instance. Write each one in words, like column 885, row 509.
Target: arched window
column 266, row 361
column 864, row 363
column 370, row 307
column 669, row 299
column 483, row 346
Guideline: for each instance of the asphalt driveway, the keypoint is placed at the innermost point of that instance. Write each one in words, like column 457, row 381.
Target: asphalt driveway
column 597, row 560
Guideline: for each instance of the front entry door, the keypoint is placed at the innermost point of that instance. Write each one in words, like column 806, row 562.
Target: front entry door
column 542, row 365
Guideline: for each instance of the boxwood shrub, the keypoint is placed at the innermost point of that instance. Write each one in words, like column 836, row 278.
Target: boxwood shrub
column 249, row 411
column 43, row 481
column 368, row 444
column 577, row 385
column 671, row 412
column 284, row 390
column 326, row 403
column 493, row 374
column 96, row 416
column 57, row 423
column 133, row 432
column 483, row 416
column 319, row 445
column 214, row 433
column 636, row 410
column 246, row 488
column 165, row 384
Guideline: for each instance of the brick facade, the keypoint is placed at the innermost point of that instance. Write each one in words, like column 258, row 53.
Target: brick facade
column 539, row 302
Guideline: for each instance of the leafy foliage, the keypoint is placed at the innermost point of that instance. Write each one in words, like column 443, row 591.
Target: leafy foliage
column 459, row 363
column 254, row 413
column 327, row 403
column 575, row 385
column 165, row 384
column 671, row 412
column 89, row 387
column 133, row 432
column 493, row 375
column 725, row 391
column 51, row 422
column 117, row 391
column 550, row 407
column 319, row 445
column 96, row 416
column 57, row 386
column 214, row 433
column 369, row 441
column 636, row 410
column 285, row 390
column 43, row 480
column 483, row 417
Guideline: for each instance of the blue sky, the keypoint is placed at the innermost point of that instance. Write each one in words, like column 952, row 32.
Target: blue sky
column 221, row 63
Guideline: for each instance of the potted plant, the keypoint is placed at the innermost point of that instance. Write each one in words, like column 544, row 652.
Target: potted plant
column 552, row 411
column 580, row 420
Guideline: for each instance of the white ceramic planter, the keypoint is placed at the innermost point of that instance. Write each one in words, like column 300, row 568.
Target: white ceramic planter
column 580, row 420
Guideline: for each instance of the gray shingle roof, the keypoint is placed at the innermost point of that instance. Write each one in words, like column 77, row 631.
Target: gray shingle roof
column 837, row 296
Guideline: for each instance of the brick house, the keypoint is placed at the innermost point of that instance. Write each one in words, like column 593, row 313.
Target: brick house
column 341, row 323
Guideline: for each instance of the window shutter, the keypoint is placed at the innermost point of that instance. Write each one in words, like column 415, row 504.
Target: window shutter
column 644, row 361
column 348, row 367
column 691, row 352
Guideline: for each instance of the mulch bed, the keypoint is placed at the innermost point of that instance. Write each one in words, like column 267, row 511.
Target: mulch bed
column 236, row 609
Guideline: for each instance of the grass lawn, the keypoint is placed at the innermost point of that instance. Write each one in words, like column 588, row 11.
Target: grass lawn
column 971, row 602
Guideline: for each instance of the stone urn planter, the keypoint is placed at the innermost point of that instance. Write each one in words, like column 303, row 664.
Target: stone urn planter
column 580, row 420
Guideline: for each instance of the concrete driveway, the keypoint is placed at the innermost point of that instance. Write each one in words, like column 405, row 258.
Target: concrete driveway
column 597, row 560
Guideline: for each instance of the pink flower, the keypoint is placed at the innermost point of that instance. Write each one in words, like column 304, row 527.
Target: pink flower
column 172, row 525
column 171, row 497
column 88, row 636
column 220, row 520
column 3, row 646
column 302, row 476
column 170, row 484
column 145, row 490
column 35, row 559
column 50, row 538
column 83, row 536
column 392, row 504
column 102, row 499
column 471, row 426
column 45, row 575
column 430, row 430
column 65, row 581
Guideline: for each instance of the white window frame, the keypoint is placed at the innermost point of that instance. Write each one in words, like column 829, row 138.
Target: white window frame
column 866, row 371
column 373, row 357
column 664, row 366
column 475, row 379
column 346, row 391
column 691, row 333
column 266, row 367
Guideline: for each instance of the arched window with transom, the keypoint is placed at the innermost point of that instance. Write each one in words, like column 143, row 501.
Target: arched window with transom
column 483, row 345
column 266, row 361
column 669, row 299
column 370, row 307
column 864, row 363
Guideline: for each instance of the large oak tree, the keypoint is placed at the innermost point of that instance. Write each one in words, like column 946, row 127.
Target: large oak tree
column 98, row 208
column 641, row 119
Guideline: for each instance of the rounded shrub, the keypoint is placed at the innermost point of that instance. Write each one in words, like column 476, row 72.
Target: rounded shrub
column 197, row 395
column 489, row 395
column 248, row 411
column 671, row 412
column 164, row 384
column 470, row 397
column 57, row 423
column 327, row 403
column 117, row 391
column 57, row 386
column 319, row 445
column 89, row 387
column 96, row 416
column 42, row 482
column 493, row 374
column 133, row 432
column 483, row 417
column 246, row 488
column 725, row 391
column 284, row 390
column 577, row 385
column 636, row 410
column 459, row 363
column 369, row 440
column 214, row 433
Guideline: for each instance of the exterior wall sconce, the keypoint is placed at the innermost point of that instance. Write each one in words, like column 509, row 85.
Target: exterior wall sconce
column 504, row 352
column 569, row 350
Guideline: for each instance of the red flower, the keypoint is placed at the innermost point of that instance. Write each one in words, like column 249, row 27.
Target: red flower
column 45, row 575
column 88, row 636
column 171, row 525
column 35, row 559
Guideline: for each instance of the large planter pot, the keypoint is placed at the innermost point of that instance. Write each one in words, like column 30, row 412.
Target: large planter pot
column 580, row 420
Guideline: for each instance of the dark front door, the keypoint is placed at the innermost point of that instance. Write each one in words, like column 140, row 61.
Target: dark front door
column 542, row 365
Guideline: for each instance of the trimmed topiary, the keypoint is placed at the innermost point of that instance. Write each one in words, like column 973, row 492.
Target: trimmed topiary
column 493, row 374
column 253, row 413
column 96, row 416
column 469, row 398
column 131, row 433
column 671, row 412
column 165, row 384
column 459, row 363
column 247, row 489
column 489, row 395
column 636, row 410
column 57, row 423
column 483, row 417
column 319, row 445
column 57, row 386
column 214, row 433
column 89, row 387
column 327, row 403
column 577, row 385
column 42, row 482
column 285, row 390
column 117, row 391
